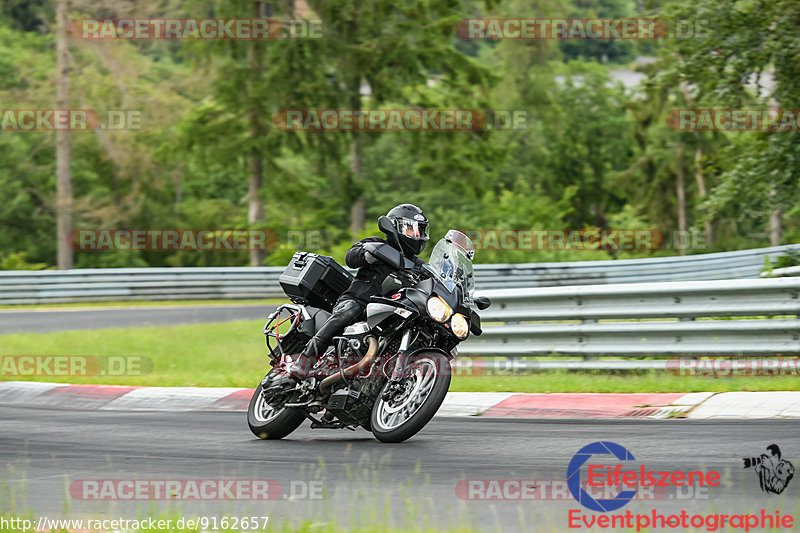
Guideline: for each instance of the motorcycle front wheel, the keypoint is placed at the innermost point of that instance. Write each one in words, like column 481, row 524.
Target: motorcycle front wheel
column 267, row 422
column 425, row 385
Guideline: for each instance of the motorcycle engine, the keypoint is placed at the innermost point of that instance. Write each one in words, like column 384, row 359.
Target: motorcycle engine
column 357, row 332
column 352, row 398
column 350, row 403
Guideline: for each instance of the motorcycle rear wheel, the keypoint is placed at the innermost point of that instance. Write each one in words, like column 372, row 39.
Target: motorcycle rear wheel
column 267, row 422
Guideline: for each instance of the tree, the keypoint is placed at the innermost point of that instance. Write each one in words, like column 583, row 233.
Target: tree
column 744, row 45
column 389, row 46
column 64, row 196
column 589, row 137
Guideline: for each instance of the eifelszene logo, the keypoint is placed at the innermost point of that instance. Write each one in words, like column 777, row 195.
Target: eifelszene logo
column 574, row 476
column 614, row 478
column 774, row 473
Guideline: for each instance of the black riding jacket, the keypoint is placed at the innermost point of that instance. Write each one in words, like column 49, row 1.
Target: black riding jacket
column 369, row 277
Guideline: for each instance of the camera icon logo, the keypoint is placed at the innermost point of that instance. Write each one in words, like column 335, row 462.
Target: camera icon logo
column 774, row 473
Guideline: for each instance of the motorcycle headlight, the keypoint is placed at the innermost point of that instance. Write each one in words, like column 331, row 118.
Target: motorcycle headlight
column 459, row 326
column 438, row 309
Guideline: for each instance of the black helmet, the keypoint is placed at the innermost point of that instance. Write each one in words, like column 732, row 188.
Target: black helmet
column 412, row 227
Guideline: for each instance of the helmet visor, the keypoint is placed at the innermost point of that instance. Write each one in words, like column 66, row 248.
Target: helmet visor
column 413, row 228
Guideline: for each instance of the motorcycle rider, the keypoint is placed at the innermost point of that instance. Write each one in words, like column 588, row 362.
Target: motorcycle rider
column 412, row 228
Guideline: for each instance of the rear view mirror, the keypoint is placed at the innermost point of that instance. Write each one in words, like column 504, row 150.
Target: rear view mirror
column 386, row 226
column 482, row 302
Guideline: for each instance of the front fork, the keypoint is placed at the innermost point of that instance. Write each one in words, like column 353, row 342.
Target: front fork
column 395, row 384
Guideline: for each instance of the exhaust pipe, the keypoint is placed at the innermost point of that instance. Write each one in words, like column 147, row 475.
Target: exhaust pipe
column 359, row 367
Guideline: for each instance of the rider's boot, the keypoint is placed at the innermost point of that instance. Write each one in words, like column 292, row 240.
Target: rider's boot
column 299, row 366
column 344, row 313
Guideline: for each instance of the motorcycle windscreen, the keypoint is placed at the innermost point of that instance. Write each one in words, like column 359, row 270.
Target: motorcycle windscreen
column 451, row 266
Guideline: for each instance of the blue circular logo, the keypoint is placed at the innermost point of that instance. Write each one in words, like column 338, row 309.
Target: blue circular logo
column 574, row 476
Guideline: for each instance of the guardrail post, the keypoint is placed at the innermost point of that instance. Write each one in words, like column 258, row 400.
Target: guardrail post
column 586, row 356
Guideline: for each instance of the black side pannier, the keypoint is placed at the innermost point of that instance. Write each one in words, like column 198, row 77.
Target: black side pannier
column 316, row 280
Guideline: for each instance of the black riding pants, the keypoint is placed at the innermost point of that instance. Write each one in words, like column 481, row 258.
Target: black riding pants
column 345, row 312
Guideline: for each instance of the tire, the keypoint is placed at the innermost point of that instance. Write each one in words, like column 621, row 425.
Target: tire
column 271, row 426
column 387, row 429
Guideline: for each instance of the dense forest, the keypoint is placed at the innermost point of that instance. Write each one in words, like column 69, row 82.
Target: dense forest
column 593, row 153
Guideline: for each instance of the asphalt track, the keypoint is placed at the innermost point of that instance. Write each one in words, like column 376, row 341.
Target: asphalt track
column 42, row 321
column 367, row 482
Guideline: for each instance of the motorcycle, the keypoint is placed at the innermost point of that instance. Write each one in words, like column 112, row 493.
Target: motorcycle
column 388, row 373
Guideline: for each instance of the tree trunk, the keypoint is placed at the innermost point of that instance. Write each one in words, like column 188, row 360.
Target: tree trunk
column 357, row 210
column 776, row 226
column 681, row 195
column 701, row 190
column 255, row 209
column 698, row 170
column 63, row 177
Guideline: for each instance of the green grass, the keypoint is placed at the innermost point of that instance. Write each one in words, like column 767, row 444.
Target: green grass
column 145, row 303
column 633, row 381
column 232, row 354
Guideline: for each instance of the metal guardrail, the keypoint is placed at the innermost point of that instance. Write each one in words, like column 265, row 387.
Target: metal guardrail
column 643, row 319
column 129, row 284
column 741, row 264
column 735, row 317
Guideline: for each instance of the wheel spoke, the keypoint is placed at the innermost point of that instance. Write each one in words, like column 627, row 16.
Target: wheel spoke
column 263, row 412
column 418, row 386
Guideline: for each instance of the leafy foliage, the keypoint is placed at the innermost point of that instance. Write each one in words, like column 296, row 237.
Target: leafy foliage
column 592, row 154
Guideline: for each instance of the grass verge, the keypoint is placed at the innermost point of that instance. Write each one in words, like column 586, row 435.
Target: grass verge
column 232, row 354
